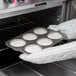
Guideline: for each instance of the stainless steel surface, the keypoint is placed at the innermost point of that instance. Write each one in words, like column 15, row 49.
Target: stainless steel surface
column 63, row 15
column 28, row 69
column 3, row 4
column 26, row 8
column 19, row 70
column 68, row 11
column 73, row 9
column 68, row 64
column 51, row 70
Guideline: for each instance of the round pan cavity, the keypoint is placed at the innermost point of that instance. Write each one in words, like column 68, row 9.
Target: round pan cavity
column 40, row 31
column 29, row 36
column 54, row 35
column 17, row 43
column 32, row 48
column 44, row 42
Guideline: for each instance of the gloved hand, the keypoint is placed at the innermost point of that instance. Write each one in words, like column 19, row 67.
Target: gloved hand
column 57, row 53
column 68, row 28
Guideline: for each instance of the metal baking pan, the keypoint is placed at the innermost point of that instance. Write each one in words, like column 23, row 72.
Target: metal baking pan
column 28, row 42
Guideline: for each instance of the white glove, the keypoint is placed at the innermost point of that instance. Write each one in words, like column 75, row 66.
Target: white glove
column 52, row 54
column 57, row 53
column 68, row 28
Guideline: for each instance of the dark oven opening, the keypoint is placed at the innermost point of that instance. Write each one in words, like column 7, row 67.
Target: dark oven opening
column 13, row 26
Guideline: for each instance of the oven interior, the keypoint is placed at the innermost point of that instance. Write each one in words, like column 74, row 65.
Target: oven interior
column 13, row 26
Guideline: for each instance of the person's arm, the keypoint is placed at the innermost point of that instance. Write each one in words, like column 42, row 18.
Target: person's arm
column 52, row 54
column 57, row 53
column 68, row 28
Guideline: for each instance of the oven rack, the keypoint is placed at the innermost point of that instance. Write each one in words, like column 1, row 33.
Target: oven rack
column 8, row 57
column 8, row 33
column 23, row 9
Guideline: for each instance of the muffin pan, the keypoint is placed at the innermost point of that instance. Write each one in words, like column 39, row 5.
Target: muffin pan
column 35, row 40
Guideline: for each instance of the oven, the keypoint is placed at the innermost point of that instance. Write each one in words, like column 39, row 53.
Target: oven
column 26, row 15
